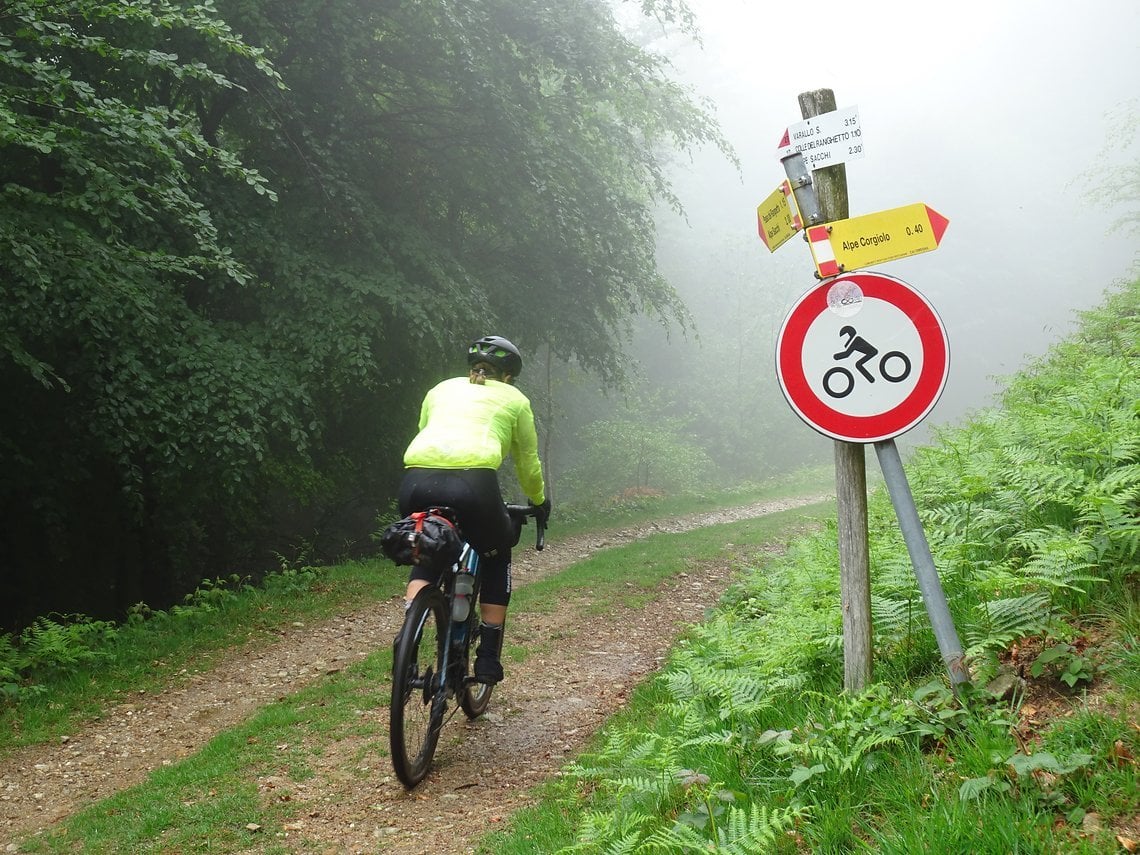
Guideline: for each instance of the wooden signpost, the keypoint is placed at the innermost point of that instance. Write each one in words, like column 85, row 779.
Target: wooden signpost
column 861, row 357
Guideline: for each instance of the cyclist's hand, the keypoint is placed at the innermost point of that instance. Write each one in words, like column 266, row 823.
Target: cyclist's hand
column 542, row 512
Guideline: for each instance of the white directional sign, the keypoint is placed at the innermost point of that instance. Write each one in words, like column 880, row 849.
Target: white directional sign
column 862, row 358
column 826, row 139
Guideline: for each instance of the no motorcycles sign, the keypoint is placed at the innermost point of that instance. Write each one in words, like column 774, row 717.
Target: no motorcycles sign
column 862, row 357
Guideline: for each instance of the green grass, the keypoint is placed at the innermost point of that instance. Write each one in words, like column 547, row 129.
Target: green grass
column 207, row 800
column 148, row 655
column 606, row 575
column 618, row 514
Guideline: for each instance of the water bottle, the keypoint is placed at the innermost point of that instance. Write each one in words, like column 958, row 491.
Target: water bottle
column 461, row 604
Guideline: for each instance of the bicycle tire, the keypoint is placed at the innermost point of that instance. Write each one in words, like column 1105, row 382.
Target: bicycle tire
column 419, row 700
column 475, row 697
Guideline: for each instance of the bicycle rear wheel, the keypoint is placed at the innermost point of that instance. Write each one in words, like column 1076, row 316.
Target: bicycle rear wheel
column 419, row 701
column 475, row 697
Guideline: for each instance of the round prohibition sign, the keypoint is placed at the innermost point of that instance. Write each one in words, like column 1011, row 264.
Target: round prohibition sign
column 862, row 357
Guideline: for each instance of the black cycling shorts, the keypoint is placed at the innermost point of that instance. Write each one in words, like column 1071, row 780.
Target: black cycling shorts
column 483, row 519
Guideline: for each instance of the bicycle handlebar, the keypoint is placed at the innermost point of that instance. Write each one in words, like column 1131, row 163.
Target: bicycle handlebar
column 521, row 512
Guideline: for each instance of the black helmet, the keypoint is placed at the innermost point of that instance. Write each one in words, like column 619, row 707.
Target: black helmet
column 497, row 351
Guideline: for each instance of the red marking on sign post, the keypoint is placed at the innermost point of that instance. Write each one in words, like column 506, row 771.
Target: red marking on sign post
column 822, row 251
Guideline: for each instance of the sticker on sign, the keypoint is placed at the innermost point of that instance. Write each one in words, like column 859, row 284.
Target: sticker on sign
column 826, row 139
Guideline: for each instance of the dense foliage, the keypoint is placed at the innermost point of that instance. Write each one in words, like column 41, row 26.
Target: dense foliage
column 237, row 240
column 1033, row 513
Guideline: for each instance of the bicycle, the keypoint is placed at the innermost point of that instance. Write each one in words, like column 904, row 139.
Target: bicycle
column 432, row 660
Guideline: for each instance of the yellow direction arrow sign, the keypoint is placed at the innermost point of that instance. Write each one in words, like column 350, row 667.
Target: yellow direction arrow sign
column 778, row 218
column 883, row 236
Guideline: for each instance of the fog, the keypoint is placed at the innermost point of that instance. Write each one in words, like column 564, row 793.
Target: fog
column 1005, row 117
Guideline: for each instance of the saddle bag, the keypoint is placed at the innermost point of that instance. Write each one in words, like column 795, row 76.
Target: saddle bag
column 425, row 538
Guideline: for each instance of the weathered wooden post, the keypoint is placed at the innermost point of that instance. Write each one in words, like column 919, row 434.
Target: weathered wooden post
column 850, row 459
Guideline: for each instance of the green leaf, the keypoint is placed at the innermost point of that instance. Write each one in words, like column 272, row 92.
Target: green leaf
column 803, row 773
column 973, row 788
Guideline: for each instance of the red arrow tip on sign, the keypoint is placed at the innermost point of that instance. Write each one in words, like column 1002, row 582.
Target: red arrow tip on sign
column 938, row 223
column 784, row 140
column 760, row 228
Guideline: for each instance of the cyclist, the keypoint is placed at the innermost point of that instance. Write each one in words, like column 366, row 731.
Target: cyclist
column 468, row 426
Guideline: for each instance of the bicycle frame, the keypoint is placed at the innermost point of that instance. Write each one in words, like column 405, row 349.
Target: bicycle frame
column 458, row 636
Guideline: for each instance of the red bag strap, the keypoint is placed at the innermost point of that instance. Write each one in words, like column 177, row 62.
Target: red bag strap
column 418, row 516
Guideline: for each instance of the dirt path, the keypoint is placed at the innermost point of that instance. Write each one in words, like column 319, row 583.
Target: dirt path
column 540, row 716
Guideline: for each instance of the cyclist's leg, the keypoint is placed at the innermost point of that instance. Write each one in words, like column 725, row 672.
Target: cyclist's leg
column 494, row 597
column 492, row 532
column 488, row 656
column 418, row 579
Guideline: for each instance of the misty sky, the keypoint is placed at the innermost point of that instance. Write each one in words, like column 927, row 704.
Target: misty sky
column 996, row 114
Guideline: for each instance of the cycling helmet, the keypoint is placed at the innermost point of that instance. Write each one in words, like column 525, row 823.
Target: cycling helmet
column 497, row 351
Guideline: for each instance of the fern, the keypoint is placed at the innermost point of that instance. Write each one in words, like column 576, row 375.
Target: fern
column 51, row 644
column 719, row 738
column 1111, row 509
column 1051, row 538
column 755, row 830
column 750, row 831
column 618, row 834
column 12, row 663
column 892, row 618
column 1007, row 620
column 736, row 693
column 639, row 765
column 678, row 838
column 1056, row 570
column 894, row 574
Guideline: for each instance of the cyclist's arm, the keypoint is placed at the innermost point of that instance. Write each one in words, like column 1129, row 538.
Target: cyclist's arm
column 427, row 405
column 524, row 451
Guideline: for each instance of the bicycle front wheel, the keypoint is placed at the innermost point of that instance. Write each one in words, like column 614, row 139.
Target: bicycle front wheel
column 418, row 698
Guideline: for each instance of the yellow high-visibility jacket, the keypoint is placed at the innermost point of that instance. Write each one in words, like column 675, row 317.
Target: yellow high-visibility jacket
column 464, row 425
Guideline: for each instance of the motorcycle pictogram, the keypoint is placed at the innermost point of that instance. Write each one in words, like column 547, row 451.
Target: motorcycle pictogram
column 838, row 382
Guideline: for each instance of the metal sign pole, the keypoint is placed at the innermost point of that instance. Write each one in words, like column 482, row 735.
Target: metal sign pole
column 795, row 167
column 923, row 562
